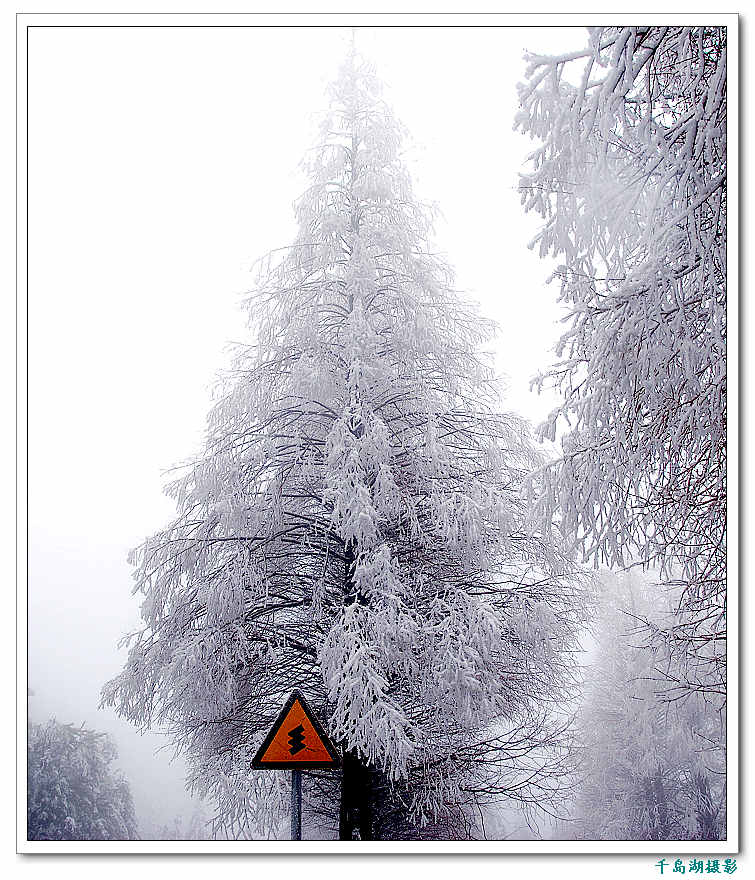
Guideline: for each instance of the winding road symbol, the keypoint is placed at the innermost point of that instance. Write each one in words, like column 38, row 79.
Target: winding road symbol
column 296, row 739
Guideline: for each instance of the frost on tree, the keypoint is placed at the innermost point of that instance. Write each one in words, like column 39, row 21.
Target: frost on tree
column 356, row 528
column 630, row 180
column 72, row 791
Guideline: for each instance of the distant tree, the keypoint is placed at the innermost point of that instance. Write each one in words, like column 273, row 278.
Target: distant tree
column 73, row 793
column 653, row 770
column 357, row 528
column 630, row 179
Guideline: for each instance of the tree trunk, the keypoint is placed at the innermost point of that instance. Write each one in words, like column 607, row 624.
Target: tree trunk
column 664, row 829
column 355, row 816
column 355, row 819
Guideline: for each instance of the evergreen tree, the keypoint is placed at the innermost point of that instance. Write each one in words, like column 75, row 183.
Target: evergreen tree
column 357, row 528
column 72, row 791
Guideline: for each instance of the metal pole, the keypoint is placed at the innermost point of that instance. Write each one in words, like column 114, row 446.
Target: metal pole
column 296, row 805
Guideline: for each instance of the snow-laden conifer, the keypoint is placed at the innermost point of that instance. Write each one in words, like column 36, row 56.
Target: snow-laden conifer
column 73, row 792
column 356, row 528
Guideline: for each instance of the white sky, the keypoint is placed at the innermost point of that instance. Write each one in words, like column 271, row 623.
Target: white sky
column 162, row 162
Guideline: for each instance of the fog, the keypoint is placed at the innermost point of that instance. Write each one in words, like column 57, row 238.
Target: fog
column 162, row 162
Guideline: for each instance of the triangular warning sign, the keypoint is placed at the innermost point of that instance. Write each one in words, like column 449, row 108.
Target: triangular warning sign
column 296, row 740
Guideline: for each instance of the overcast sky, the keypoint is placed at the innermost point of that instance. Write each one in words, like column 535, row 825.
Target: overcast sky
column 162, row 162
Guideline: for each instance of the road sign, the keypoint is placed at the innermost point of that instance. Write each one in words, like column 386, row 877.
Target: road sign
column 296, row 740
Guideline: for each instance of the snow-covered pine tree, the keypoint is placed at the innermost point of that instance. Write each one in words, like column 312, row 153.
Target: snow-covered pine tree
column 356, row 528
column 73, row 793
column 630, row 180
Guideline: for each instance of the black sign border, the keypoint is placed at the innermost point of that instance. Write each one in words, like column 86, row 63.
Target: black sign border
column 258, row 764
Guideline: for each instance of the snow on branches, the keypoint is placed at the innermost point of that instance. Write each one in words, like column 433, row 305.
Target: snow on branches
column 630, row 180
column 357, row 525
column 73, row 792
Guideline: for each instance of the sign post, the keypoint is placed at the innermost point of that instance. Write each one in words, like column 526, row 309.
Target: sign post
column 295, row 742
column 296, row 805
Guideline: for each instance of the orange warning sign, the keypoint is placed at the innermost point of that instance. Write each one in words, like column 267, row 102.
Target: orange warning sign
column 296, row 740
